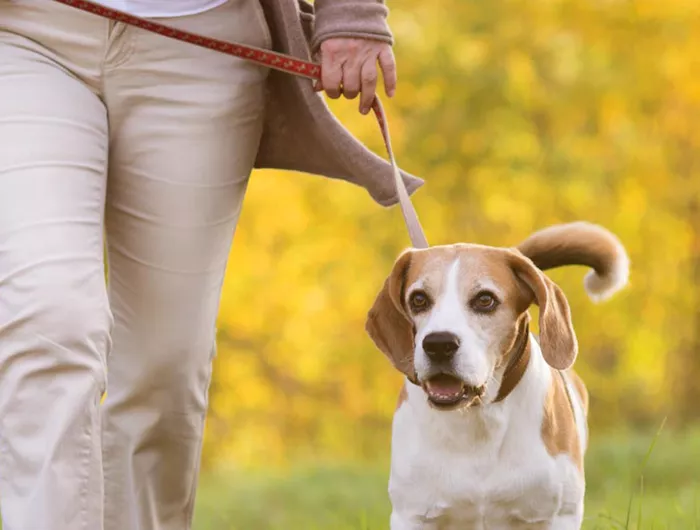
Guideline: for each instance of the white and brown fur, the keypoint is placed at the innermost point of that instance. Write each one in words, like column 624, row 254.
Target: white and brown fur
column 509, row 453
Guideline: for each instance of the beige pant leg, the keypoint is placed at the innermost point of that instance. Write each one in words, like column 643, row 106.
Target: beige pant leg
column 185, row 128
column 54, row 316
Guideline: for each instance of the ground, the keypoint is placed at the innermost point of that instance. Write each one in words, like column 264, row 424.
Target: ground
column 345, row 497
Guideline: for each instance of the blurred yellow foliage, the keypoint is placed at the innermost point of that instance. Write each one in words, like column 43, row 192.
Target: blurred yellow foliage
column 518, row 114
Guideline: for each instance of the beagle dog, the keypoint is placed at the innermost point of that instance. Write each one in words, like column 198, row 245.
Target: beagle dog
column 490, row 429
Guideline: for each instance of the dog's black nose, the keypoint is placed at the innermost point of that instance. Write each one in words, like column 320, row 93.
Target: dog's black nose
column 440, row 345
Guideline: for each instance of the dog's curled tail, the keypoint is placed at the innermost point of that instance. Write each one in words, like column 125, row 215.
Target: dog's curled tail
column 581, row 243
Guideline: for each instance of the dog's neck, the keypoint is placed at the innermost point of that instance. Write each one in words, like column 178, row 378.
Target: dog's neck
column 519, row 359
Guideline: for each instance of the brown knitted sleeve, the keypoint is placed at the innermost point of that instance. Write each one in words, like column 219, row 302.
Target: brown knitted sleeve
column 365, row 19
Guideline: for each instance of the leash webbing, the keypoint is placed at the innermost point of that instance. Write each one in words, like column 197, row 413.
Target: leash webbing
column 275, row 61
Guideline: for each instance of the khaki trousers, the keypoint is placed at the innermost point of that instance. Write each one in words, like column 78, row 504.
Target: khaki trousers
column 107, row 129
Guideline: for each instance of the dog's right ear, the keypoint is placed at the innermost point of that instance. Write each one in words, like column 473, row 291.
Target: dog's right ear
column 388, row 323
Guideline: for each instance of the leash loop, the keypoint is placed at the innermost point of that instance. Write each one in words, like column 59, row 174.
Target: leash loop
column 275, row 61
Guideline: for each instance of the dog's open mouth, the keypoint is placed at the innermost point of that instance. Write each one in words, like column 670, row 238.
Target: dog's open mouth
column 446, row 391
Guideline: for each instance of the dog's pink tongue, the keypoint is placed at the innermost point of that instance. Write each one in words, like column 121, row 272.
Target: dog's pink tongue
column 444, row 386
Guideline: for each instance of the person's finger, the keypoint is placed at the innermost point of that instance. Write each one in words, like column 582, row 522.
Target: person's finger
column 351, row 79
column 368, row 77
column 388, row 66
column 331, row 74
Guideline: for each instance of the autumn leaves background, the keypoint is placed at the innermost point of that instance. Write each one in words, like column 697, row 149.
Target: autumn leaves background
column 518, row 114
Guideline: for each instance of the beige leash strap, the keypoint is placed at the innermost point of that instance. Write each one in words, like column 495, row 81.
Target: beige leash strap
column 276, row 61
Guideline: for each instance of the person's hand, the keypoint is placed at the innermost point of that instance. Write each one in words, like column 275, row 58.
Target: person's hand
column 349, row 67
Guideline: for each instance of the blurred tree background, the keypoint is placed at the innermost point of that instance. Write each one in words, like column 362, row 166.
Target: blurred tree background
column 518, row 114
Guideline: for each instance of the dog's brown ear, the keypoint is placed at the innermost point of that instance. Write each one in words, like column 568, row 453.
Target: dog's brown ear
column 388, row 324
column 557, row 336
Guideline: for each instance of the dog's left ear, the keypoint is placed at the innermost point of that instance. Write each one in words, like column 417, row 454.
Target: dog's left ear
column 388, row 324
column 557, row 336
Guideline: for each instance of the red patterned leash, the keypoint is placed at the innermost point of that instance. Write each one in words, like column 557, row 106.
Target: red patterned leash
column 276, row 61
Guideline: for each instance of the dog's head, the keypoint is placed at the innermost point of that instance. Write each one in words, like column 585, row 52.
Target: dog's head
column 450, row 317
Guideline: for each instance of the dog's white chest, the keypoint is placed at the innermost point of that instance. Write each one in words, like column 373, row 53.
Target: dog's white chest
column 454, row 493
column 446, row 476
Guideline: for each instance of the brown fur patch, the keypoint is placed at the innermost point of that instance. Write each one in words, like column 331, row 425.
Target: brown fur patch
column 557, row 337
column 559, row 431
column 388, row 324
column 578, row 243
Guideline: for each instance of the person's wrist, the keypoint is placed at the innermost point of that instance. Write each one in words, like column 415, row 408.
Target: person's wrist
column 364, row 19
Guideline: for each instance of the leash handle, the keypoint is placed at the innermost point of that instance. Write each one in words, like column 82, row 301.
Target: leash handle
column 275, row 61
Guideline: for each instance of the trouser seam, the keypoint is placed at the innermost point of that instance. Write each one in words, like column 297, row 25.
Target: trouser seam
column 189, row 516
column 86, row 453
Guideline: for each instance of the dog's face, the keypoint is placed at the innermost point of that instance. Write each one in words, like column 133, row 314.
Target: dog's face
column 449, row 317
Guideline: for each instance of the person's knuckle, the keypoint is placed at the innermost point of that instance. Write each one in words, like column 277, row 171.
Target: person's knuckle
column 329, row 74
column 370, row 76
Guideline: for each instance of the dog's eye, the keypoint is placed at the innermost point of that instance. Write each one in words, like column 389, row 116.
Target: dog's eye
column 484, row 302
column 418, row 301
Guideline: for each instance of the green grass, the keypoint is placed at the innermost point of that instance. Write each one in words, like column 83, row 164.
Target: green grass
column 344, row 497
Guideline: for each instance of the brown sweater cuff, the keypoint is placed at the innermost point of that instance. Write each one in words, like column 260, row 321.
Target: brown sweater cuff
column 364, row 19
